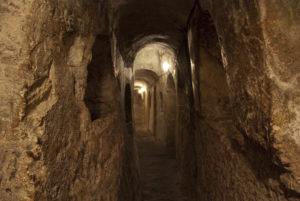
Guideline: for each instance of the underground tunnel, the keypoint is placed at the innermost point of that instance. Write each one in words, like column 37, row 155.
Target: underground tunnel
column 149, row 100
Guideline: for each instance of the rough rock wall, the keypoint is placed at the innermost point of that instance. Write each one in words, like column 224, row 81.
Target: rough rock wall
column 280, row 22
column 49, row 148
column 161, row 132
column 185, row 138
column 152, row 113
column 219, row 165
column 13, row 57
column 258, row 48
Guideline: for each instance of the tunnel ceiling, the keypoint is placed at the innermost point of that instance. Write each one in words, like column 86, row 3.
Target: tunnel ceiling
column 147, row 76
column 145, row 21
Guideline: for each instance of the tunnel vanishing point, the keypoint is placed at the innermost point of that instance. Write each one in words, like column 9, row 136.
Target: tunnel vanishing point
column 149, row 100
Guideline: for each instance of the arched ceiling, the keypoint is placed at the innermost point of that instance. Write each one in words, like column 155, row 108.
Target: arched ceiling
column 152, row 57
column 140, row 22
column 147, row 76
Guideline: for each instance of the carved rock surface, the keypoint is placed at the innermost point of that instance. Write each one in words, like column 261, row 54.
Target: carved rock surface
column 66, row 81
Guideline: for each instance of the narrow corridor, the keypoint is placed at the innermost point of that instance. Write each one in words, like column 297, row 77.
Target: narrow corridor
column 215, row 85
column 159, row 172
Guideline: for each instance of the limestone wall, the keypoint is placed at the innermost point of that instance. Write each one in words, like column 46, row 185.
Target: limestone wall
column 51, row 147
column 245, row 99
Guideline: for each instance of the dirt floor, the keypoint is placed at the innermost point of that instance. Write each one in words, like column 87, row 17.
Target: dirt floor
column 159, row 176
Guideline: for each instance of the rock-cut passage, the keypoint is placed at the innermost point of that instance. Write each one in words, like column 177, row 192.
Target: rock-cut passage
column 214, row 82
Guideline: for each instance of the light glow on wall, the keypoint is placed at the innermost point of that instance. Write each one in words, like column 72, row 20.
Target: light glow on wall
column 141, row 90
column 166, row 66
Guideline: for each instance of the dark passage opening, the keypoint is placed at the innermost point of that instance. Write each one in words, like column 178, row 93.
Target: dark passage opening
column 128, row 104
column 155, row 123
column 170, row 113
column 100, row 96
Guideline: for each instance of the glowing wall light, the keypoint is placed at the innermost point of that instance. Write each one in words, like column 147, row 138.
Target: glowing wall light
column 166, row 66
column 141, row 90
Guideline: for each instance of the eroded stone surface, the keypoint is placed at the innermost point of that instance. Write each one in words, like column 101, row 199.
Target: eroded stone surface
column 263, row 99
column 237, row 86
column 50, row 148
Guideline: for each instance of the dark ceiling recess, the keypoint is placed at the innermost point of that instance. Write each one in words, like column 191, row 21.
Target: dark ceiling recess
column 149, row 21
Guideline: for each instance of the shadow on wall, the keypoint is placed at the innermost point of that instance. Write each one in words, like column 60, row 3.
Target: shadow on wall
column 170, row 112
column 139, row 109
column 128, row 106
column 130, row 162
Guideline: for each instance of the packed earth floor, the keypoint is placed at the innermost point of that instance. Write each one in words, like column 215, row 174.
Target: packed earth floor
column 159, row 172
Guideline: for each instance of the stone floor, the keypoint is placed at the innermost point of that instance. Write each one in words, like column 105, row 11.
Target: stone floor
column 159, row 175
